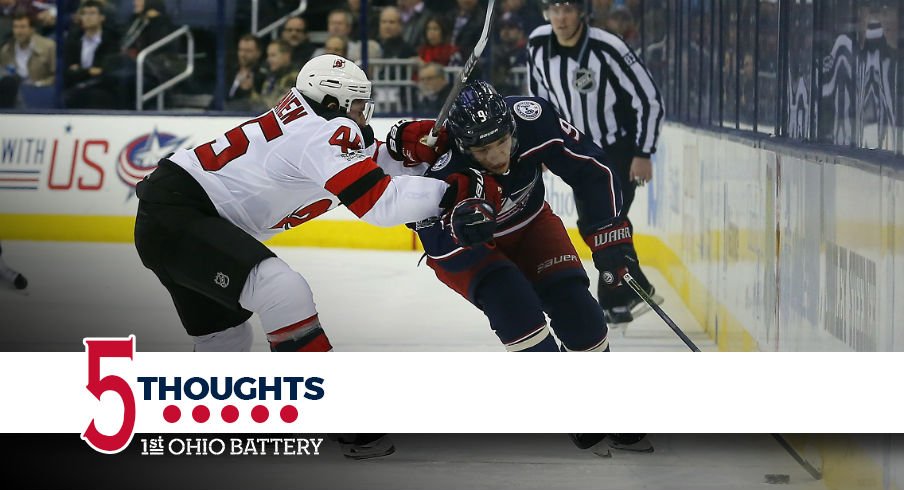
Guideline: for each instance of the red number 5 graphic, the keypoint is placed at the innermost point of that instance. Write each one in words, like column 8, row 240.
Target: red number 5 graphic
column 98, row 349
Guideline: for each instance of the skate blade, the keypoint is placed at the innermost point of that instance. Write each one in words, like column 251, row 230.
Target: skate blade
column 603, row 452
column 643, row 307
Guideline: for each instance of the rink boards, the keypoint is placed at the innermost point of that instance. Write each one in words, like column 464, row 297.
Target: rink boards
column 772, row 248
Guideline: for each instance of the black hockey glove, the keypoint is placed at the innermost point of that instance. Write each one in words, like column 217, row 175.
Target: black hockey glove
column 613, row 251
column 471, row 204
column 472, row 222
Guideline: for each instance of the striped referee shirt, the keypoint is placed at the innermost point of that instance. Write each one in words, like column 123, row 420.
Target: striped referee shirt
column 599, row 85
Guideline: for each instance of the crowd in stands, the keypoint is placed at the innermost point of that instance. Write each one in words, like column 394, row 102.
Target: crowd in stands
column 428, row 38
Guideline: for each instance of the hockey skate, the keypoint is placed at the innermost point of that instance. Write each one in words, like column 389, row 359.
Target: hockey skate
column 635, row 307
column 618, row 315
column 16, row 278
column 632, row 443
column 593, row 443
column 365, row 446
column 638, row 306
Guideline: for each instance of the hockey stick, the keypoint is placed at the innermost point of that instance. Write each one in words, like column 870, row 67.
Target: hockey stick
column 463, row 76
column 668, row 321
column 816, row 474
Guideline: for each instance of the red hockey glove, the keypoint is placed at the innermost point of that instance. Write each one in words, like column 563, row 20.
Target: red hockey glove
column 405, row 142
column 613, row 251
column 471, row 183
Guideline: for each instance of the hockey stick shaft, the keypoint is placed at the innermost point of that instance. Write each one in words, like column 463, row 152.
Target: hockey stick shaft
column 816, row 474
column 668, row 321
column 809, row 468
column 463, row 76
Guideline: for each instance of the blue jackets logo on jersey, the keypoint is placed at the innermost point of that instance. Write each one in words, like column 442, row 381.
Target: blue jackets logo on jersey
column 442, row 162
column 528, row 110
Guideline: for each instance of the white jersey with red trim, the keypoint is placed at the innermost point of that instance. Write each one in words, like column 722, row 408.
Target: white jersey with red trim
column 290, row 165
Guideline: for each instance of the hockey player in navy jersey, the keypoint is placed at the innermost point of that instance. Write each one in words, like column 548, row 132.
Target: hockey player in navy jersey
column 531, row 267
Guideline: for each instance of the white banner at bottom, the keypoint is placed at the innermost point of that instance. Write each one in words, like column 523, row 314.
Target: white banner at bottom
column 110, row 393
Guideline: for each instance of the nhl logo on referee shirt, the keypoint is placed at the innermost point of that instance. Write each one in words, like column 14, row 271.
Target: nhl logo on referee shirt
column 528, row 110
column 584, row 80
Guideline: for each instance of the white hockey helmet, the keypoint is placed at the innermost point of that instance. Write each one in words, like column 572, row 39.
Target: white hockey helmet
column 338, row 77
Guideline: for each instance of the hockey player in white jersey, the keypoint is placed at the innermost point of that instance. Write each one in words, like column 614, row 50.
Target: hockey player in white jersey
column 203, row 213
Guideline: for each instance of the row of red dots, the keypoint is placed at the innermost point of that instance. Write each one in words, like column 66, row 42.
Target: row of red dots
column 230, row 414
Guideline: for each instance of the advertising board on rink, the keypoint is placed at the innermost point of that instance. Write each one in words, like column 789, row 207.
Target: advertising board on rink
column 88, row 164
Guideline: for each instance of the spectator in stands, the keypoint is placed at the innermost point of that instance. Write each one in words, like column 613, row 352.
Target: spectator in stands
column 339, row 23
column 414, row 18
column 529, row 14
column 249, row 74
column 7, row 9
column 599, row 10
column 45, row 17
column 42, row 13
column 621, row 22
column 437, row 48
column 336, row 45
column 295, row 32
column 467, row 24
column 30, row 56
column 390, row 35
column 27, row 58
column 280, row 74
column 149, row 24
column 511, row 53
column 86, row 55
column 434, row 88
column 71, row 16
column 354, row 8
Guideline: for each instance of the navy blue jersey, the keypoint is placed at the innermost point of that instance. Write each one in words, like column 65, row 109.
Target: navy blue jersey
column 541, row 138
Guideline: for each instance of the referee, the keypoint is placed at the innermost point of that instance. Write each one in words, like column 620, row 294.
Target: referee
column 601, row 87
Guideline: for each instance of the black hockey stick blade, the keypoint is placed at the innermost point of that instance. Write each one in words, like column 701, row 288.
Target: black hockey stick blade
column 463, row 76
column 816, row 474
column 668, row 321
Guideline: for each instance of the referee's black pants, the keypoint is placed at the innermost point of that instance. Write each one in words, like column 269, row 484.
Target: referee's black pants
column 619, row 158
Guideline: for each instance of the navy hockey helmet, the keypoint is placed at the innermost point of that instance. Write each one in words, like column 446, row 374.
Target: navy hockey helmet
column 479, row 116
